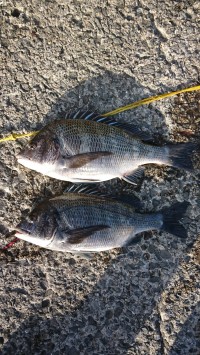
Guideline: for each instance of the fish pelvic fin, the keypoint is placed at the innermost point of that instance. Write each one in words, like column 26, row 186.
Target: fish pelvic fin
column 134, row 240
column 180, row 155
column 172, row 217
column 95, row 190
column 83, row 255
column 133, row 176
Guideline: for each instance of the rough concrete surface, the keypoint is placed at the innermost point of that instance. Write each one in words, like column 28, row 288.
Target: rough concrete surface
column 57, row 55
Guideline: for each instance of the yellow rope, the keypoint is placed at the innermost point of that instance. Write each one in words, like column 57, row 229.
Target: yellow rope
column 146, row 101
column 149, row 100
column 14, row 136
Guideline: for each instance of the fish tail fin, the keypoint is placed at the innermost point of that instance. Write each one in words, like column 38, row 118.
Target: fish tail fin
column 172, row 217
column 180, row 155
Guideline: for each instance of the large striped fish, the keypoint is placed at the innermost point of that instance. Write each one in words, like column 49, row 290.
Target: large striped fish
column 87, row 147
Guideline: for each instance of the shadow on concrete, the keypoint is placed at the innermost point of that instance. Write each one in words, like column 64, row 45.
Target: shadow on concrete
column 106, row 321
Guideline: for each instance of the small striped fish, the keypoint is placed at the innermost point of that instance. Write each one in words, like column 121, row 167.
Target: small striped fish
column 81, row 221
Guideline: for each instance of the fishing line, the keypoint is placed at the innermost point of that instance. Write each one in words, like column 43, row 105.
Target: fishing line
column 146, row 101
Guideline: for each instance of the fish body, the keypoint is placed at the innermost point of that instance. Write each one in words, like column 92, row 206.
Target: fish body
column 82, row 150
column 76, row 222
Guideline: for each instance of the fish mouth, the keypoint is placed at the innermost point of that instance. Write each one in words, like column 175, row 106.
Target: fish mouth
column 22, row 231
column 27, row 162
column 21, row 155
column 27, row 237
column 24, row 234
column 25, row 227
column 22, row 159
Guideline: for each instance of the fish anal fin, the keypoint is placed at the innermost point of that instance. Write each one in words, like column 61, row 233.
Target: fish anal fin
column 136, row 239
column 134, row 176
column 77, row 236
column 79, row 160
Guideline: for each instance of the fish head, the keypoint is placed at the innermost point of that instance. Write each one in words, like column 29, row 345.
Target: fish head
column 42, row 151
column 39, row 228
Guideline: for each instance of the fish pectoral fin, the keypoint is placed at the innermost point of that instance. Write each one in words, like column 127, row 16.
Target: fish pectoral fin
column 76, row 236
column 79, row 160
column 133, row 177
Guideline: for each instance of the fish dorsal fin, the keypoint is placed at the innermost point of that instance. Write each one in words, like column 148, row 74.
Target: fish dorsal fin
column 77, row 236
column 134, row 131
column 130, row 200
column 83, row 115
column 95, row 116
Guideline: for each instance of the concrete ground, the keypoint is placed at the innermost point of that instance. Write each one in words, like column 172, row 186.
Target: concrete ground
column 57, row 55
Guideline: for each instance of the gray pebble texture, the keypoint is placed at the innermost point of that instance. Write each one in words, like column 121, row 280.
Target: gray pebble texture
column 60, row 55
